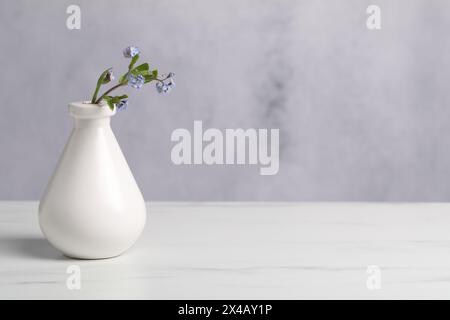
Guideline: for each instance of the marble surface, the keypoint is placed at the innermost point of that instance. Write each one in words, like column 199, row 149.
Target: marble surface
column 243, row 251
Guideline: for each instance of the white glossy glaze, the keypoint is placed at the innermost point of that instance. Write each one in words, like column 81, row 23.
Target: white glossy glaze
column 92, row 207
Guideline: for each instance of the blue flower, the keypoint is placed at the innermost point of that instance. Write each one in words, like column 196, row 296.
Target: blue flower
column 135, row 81
column 130, row 52
column 171, row 83
column 122, row 105
column 164, row 86
column 161, row 87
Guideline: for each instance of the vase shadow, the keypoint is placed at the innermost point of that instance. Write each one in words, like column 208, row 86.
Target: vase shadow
column 31, row 247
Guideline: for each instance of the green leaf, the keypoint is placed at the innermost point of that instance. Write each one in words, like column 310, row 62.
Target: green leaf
column 123, row 78
column 133, row 61
column 133, row 72
column 109, row 101
column 139, row 73
column 142, row 67
column 148, row 78
column 117, row 99
column 100, row 81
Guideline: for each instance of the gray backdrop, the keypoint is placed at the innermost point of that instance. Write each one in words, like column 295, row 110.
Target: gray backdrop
column 363, row 115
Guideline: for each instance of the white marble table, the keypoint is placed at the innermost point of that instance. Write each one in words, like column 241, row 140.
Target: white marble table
column 243, row 251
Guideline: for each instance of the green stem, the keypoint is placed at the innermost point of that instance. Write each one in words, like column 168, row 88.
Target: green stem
column 108, row 91
column 99, row 84
column 97, row 101
column 94, row 97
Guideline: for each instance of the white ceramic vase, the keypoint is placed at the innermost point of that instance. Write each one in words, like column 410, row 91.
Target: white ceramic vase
column 92, row 207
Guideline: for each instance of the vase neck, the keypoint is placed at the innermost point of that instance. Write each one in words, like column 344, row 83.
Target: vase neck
column 92, row 123
column 90, row 115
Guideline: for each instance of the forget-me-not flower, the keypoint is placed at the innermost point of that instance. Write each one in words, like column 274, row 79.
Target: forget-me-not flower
column 130, row 52
column 122, row 105
column 166, row 85
column 135, row 81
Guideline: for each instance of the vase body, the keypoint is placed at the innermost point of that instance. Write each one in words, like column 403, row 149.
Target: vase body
column 92, row 207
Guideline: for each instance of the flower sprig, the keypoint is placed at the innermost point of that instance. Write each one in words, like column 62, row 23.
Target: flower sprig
column 135, row 77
